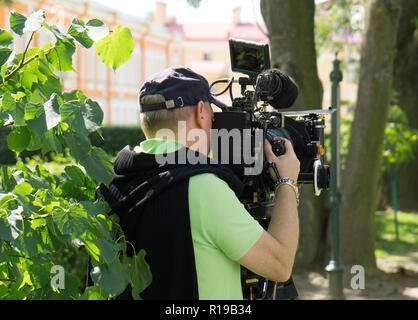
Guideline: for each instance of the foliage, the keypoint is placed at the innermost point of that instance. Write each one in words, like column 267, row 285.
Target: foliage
column 336, row 22
column 111, row 139
column 400, row 140
column 194, row 3
column 338, row 28
column 44, row 214
column 399, row 144
column 386, row 243
column 115, row 138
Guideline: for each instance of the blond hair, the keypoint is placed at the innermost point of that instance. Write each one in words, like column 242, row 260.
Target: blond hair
column 152, row 121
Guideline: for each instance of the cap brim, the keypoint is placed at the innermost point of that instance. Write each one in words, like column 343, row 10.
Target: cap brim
column 217, row 102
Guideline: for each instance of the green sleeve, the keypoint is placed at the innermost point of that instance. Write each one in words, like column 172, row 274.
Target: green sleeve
column 219, row 219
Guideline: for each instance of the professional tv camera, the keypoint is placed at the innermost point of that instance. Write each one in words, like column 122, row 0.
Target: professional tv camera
column 249, row 115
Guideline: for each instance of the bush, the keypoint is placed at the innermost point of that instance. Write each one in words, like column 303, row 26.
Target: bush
column 7, row 156
column 115, row 138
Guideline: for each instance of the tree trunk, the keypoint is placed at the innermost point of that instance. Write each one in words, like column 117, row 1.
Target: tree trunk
column 290, row 27
column 361, row 175
column 405, row 83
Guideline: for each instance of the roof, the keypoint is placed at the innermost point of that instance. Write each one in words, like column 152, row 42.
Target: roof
column 221, row 32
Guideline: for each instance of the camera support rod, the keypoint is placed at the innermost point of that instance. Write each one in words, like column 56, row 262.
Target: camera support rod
column 335, row 269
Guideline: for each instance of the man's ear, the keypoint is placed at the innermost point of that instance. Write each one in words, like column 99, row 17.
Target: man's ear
column 200, row 114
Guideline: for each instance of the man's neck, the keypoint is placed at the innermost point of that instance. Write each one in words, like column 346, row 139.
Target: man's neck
column 192, row 144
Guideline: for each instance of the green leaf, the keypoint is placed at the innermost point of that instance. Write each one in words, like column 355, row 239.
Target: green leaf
column 72, row 221
column 4, row 55
column 5, row 232
column 92, row 115
column 8, row 182
column 116, row 48
column 76, row 174
column 61, row 55
column 3, row 253
column 57, row 33
column 17, row 22
column 94, row 293
column 18, row 139
column 52, row 114
column 141, row 276
column 79, row 32
column 74, row 95
column 94, row 208
column 72, row 115
column 107, row 251
column 112, row 277
column 51, row 142
column 79, row 144
column 30, row 75
column 6, row 39
column 35, row 141
column 35, row 118
column 96, row 29
column 34, row 21
column 19, row 114
column 23, row 189
column 43, row 91
column 98, row 166
column 7, row 102
column 6, row 46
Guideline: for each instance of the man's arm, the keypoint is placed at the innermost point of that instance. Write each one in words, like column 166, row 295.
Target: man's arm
column 273, row 255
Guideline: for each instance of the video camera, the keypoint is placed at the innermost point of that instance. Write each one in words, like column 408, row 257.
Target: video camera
column 305, row 129
column 249, row 115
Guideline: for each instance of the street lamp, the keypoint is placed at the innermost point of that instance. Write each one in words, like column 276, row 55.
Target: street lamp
column 335, row 269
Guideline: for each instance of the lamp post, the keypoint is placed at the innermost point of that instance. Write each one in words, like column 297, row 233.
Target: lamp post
column 335, row 269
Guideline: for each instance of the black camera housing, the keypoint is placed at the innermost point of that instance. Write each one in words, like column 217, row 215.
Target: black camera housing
column 304, row 129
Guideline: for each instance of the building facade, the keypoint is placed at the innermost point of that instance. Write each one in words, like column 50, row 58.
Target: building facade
column 155, row 48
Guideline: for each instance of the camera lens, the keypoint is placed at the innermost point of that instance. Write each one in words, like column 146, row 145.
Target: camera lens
column 321, row 177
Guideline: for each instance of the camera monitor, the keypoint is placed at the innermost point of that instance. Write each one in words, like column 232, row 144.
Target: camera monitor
column 249, row 58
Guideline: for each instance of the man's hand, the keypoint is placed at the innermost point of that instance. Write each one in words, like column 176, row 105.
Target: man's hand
column 273, row 255
column 287, row 164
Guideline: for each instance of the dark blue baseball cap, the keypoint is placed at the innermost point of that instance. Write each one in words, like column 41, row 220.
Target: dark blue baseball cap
column 176, row 87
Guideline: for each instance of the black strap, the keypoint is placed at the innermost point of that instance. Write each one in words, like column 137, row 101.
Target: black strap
column 168, row 104
column 287, row 291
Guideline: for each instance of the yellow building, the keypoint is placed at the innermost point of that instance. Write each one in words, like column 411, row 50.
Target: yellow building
column 155, row 48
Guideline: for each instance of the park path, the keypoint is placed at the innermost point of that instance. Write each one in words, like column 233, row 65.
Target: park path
column 398, row 281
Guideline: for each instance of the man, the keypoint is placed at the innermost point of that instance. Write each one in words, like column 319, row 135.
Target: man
column 187, row 217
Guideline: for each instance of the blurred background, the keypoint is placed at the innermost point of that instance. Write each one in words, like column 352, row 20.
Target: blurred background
column 376, row 43
column 166, row 33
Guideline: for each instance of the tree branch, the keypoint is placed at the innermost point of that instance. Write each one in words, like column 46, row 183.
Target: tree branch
column 27, row 47
column 42, row 216
column 22, row 64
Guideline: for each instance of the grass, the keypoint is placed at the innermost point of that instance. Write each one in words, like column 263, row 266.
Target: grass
column 386, row 243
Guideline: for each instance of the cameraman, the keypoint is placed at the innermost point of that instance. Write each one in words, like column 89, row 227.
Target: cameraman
column 187, row 217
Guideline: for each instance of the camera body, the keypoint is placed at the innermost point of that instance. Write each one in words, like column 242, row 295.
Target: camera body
column 249, row 115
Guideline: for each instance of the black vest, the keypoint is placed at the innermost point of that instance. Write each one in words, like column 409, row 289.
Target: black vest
column 152, row 203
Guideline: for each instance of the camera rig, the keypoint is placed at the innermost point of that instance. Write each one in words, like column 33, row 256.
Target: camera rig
column 249, row 115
